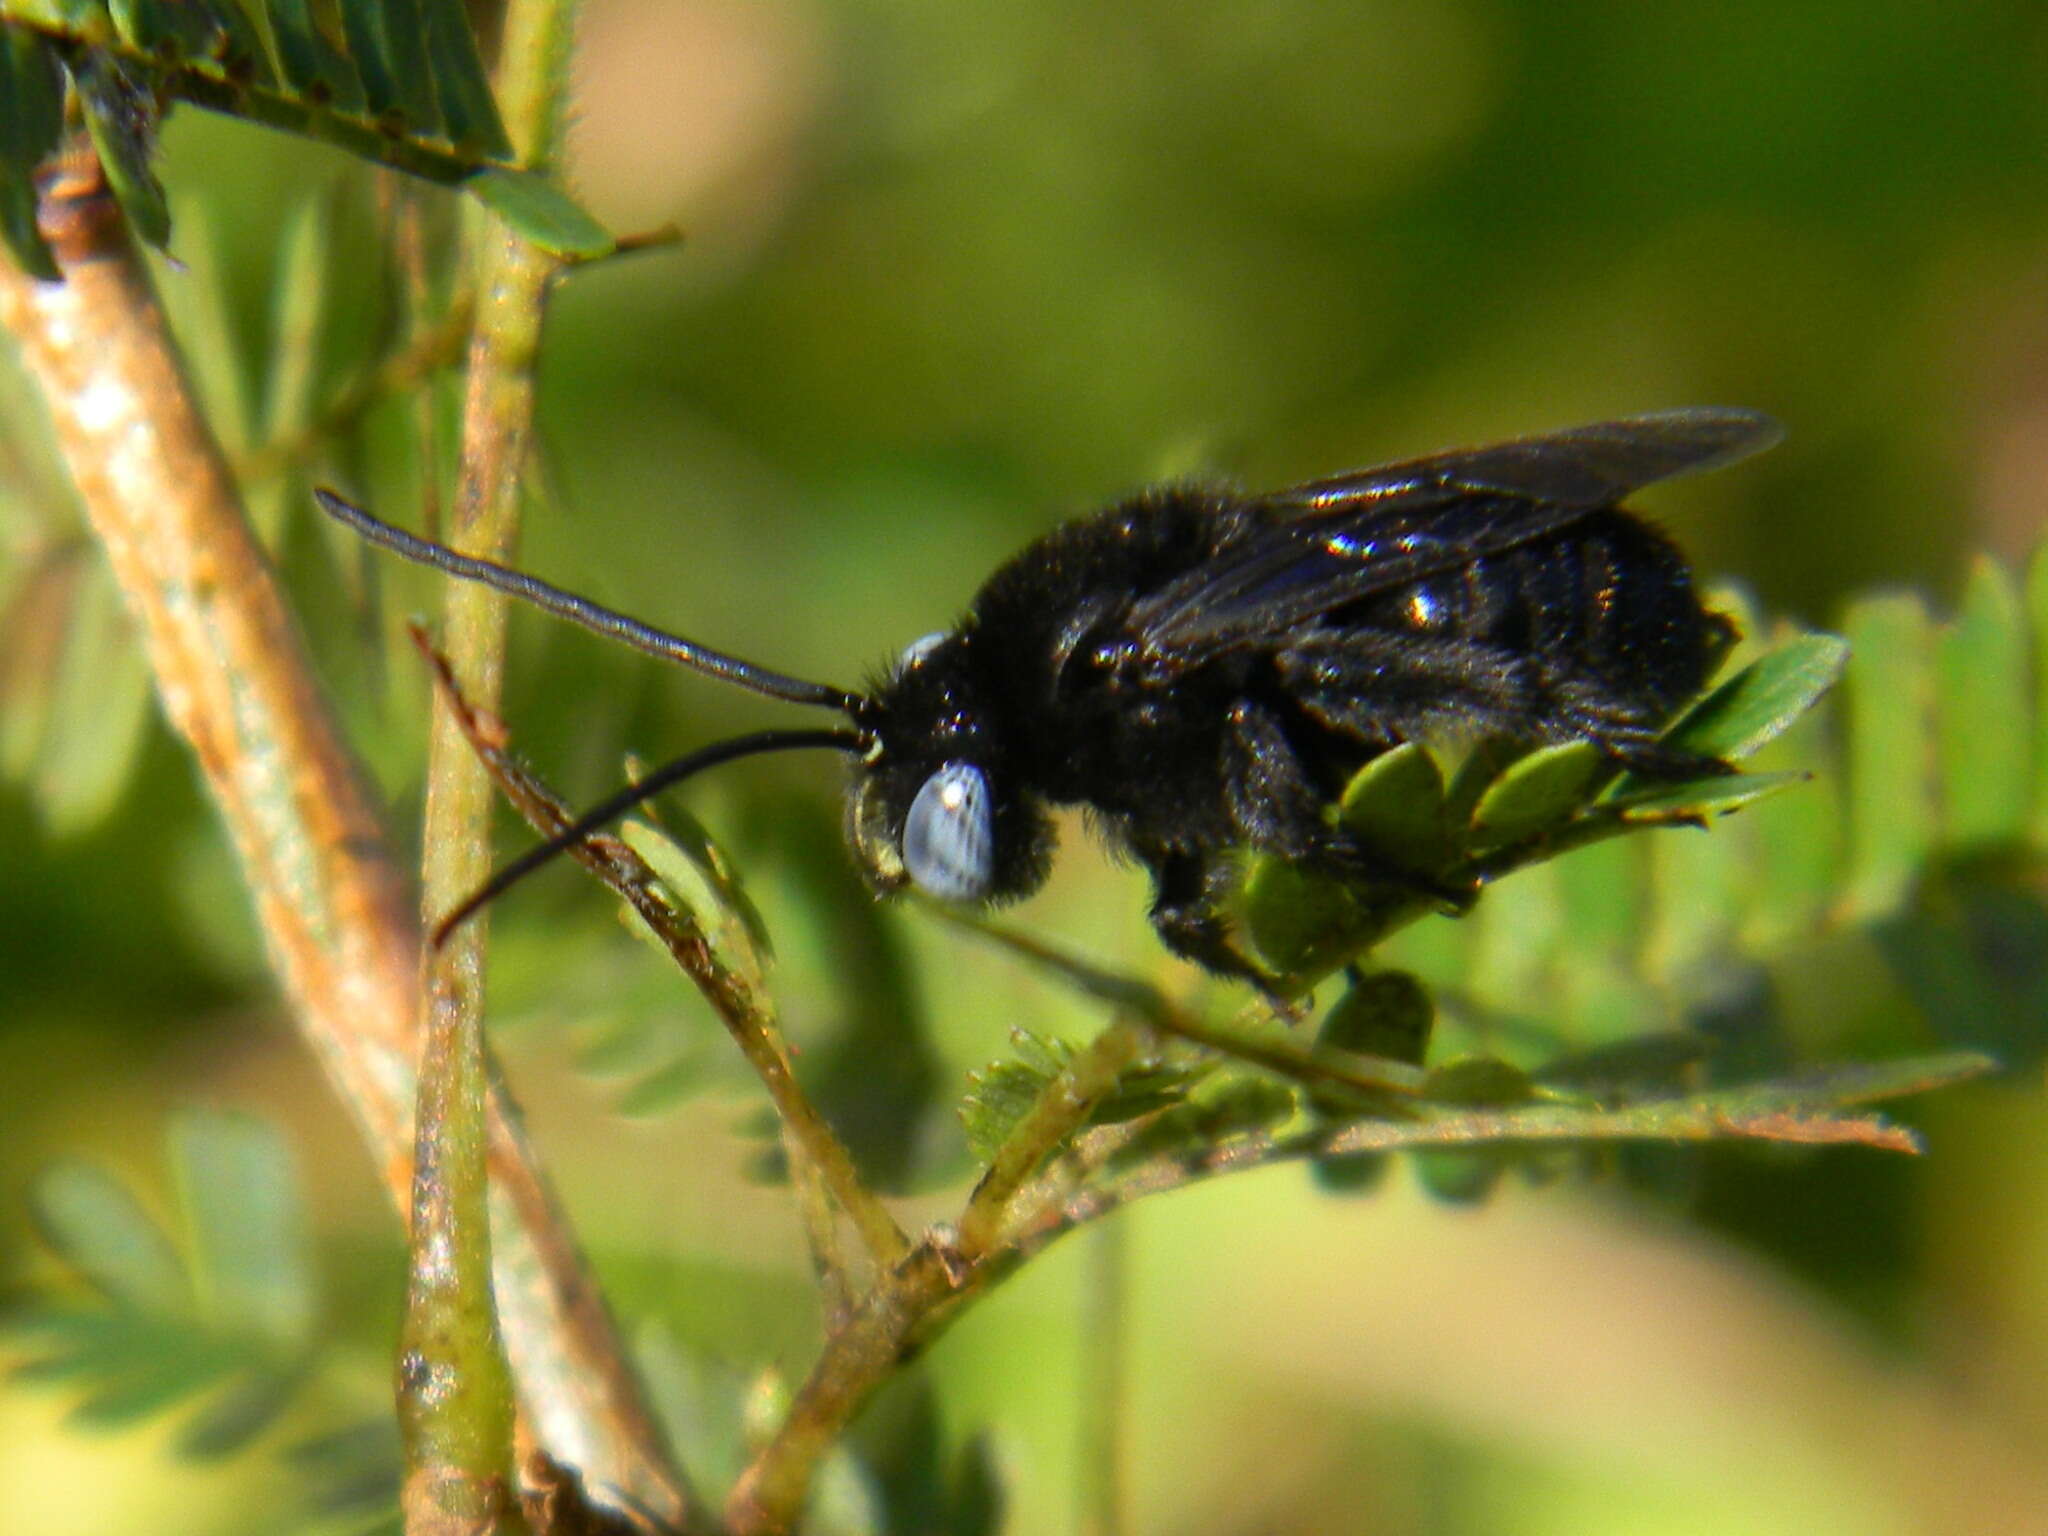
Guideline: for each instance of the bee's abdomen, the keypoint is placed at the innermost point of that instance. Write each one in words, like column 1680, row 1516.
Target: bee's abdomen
column 1608, row 603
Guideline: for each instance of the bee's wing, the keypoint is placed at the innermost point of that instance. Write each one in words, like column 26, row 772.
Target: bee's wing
column 1581, row 469
column 1332, row 542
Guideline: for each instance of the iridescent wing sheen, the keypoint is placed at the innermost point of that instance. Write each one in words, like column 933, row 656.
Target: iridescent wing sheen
column 1332, row 542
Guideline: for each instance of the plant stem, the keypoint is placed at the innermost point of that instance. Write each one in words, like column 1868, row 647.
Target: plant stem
column 511, row 283
column 912, row 1301
column 1382, row 1080
column 453, row 1370
column 1062, row 1108
column 228, row 663
column 455, row 1388
column 908, row 1301
column 906, row 1308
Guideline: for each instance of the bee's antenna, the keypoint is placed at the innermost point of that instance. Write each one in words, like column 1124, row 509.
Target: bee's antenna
column 608, row 810
column 592, row 616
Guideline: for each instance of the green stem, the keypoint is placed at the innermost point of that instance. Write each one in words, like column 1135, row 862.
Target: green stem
column 458, row 1434
column 533, row 78
column 916, row 1298
column 455, row 1388
column 455, row 1379
column 458, row 1441
column 904, row 1311
column 1062, row 1108
column 359, row 136
column 1383, row 1081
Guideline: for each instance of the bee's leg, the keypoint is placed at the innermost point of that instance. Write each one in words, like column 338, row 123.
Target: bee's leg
column 1272, row 801
column 1380, row 688
column 1627, row 730
column 1342, row 855
column 1277, row 807
column 1654, row 760
column 1189, row 895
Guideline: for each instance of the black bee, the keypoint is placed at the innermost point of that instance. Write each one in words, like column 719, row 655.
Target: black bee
column 1203, row 670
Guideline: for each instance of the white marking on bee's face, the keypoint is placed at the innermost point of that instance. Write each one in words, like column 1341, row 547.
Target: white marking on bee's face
column 920, row 648
column 949, row 835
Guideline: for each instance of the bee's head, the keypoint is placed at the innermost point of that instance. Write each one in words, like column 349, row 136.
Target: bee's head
column 934, row 803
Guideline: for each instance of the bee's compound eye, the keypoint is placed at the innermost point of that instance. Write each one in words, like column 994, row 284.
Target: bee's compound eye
column 920, row 648
column 949, row 836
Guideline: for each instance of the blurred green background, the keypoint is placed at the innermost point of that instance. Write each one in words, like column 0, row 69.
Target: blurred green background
column 952, row 273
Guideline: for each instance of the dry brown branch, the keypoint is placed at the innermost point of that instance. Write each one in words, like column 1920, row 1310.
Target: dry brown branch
column 234, row 681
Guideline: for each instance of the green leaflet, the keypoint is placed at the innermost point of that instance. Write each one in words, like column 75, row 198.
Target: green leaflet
column 31, row 119
column 398, row 82
column 222, row 1304
column 1535, row 793
column 542, row 212
column 1888, row 698
column 1760, row 701
column 462, row 92
column 387, row 42
column 311, row 62
column 1982, row 687
column 118, row 101
column 102, row 1231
